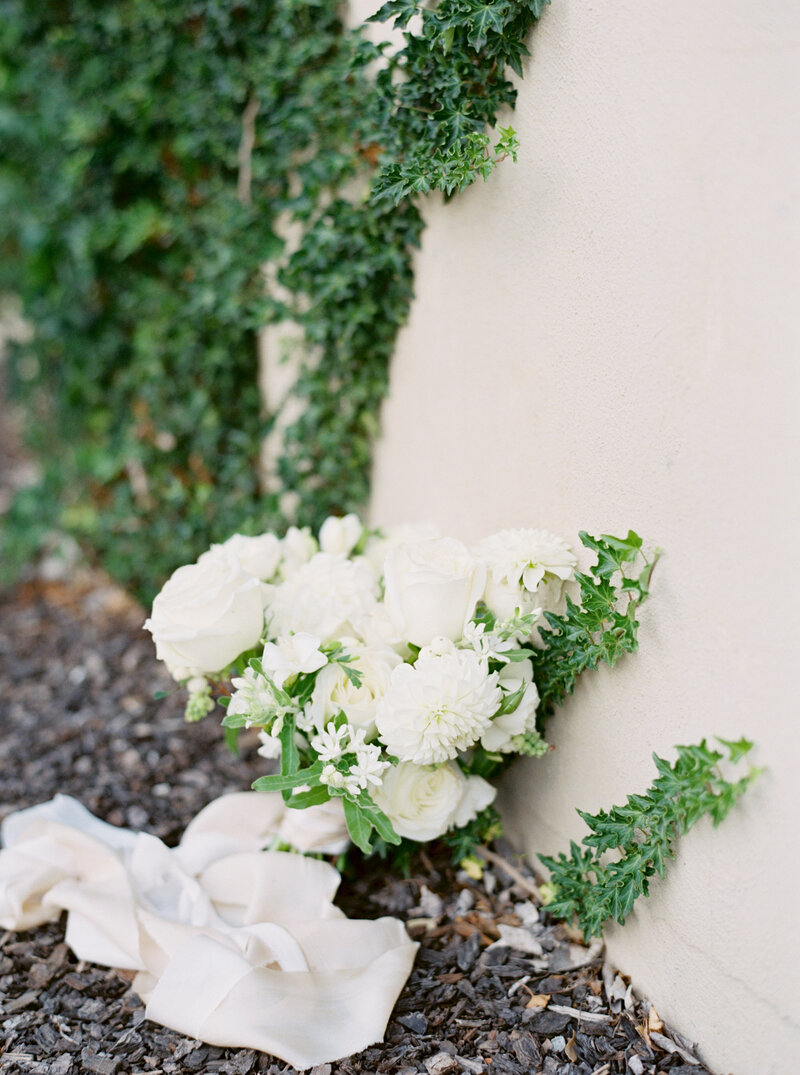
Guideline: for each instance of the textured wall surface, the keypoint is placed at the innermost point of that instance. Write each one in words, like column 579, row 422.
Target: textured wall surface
column 606, row 335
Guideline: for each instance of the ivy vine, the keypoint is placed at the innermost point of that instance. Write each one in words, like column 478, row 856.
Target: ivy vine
column 152, row 152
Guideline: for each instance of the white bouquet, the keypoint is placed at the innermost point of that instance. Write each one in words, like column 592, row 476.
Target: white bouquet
column 392, row 673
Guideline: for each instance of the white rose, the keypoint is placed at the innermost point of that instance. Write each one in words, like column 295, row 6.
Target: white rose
column 432, row 588
column 378, row 547
column 206, row 615
column 317, row 829
column 323, row 598
column 340, row 536
column 424, row 801
column 259, row 556
column 437, row 707
column 501, row 731
column 334, row 691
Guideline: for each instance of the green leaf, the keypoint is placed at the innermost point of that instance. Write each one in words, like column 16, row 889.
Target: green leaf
column 290, row 759
column 399, row 10
column 642, row 832
column 737, row 748
column 352, row 674
column 234, row 720
column 628, row 547
column 285, row 781
column 232, row 741
column 485, row 18
column 358, row 825
column 484, row 763
column 511, row 701
column 299, row 800
column 129, row 243
column 599, row 628
column 379, row 820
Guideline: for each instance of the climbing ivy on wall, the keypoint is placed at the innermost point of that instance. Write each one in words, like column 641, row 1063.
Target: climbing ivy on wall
column 153, row 155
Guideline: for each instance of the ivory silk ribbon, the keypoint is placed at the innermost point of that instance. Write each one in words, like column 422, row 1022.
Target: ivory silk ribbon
column 234, row 945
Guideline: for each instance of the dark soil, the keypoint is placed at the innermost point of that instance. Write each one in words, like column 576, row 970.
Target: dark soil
column 78, row 715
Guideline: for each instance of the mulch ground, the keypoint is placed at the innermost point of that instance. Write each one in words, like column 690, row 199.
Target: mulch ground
column 78, row 715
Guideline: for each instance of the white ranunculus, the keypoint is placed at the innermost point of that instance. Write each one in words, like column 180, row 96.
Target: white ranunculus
column 292, row 655
column 525, row 568
column 317, row 829
column 424, row 801
column 437, row 707
column 259, row 555
column 206, row 615
column 378, row 547
column 340, row 536
column 432, row 588
column 334, row 691
column 498, row 736
column 323, row 598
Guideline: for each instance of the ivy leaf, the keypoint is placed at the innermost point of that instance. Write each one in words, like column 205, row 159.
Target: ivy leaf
column 600, row 627
column 737, row 748
column 400, row 10
column 536, row 7
column 642, row 832
column 485, row 18
column 456, row 124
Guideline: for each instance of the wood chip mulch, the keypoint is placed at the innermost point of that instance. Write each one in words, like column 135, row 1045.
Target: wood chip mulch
column 78, row 715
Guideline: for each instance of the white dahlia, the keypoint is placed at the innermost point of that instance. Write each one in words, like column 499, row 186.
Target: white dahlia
column 436, row 708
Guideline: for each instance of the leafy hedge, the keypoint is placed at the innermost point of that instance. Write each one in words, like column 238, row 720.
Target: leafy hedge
column 138, row 260
column 153, row 152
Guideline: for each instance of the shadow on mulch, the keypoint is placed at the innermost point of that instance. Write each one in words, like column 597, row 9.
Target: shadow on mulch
column 497, row 988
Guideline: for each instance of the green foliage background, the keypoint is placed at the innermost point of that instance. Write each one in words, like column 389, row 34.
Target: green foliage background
column 131, row 230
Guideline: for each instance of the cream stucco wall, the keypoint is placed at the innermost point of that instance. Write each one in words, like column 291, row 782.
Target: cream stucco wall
column 606, row 335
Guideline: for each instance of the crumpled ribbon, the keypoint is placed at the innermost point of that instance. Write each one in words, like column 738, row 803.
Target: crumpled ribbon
column 234, row 945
